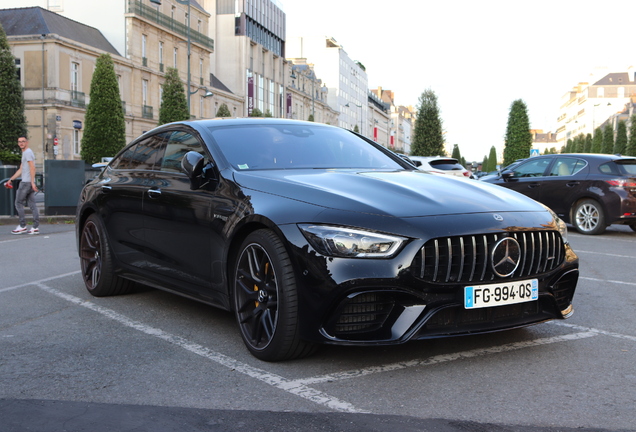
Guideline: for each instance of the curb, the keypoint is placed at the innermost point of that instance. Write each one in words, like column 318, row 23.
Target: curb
column 12, row 220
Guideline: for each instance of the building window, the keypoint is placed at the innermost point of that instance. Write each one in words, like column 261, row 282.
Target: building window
column 201, row 106
column 199, row 26
column 76, row 142
column 74, row 76
column 144, row 92
column 18, row 68
column 261, row 92
column 174, row 11
column 160, row 56
column 175, row 52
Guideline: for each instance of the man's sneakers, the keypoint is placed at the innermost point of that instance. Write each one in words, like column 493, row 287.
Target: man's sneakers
column 23, row 230
column 19, row 230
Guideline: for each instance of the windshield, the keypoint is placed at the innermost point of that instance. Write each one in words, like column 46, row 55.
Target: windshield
column 297, row 147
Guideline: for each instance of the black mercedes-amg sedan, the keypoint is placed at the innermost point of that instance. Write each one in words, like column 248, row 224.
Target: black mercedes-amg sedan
column 313, row 234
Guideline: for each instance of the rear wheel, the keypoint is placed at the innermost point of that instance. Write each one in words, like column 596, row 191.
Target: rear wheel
column 588, row 217
column 266, row 299
column 633, row 226
column 96, row 259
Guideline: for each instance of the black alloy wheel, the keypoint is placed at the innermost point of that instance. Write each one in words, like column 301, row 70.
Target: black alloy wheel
column 588, row 217
column 265, row 299
column 97, row 262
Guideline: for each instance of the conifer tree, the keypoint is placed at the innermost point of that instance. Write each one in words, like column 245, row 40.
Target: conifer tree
column 223, row 111
column 621, row 138
column 587, row 147
column 492, row 159
column 174, row 105
column 484, row 164
column 608, row 139
column 518, row 137
column 105, row 131
column 256, row 113
column 597, row 141
column 456, row 153
column 12, row 119
column 631, row 143
column 428, row 138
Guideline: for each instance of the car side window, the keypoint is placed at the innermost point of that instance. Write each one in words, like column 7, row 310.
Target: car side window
column 567, row 166
column 178, row 145
column 144, row 155
column 532, row 168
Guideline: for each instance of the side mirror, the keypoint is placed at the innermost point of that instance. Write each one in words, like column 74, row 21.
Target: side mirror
column 192, row 164
column 507, row 175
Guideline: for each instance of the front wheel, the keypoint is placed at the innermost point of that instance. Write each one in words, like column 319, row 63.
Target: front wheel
column 266, row 299
column 98, row 270
column 588, row 217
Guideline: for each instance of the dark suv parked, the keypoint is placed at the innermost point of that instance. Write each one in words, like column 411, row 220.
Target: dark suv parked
column 589, row 191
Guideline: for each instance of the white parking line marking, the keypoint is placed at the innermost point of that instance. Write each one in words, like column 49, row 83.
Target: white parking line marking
column 608, row 281
column 274, row 380
column 444, row 358
column 39, row 281
column 605, row 254
column 603, row 332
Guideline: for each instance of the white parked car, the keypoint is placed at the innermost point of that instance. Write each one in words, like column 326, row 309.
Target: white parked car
column 441, row 165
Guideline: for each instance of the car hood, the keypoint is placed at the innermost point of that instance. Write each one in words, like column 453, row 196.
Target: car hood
column 394, row 193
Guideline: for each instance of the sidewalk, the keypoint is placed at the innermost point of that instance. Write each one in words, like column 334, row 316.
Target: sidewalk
column 48, row 219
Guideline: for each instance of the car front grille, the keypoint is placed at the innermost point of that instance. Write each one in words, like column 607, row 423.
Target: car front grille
column 467, row 259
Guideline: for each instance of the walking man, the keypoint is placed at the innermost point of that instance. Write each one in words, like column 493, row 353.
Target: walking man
column 27, row 189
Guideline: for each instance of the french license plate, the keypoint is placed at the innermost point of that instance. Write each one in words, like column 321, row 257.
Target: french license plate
column 480, row 296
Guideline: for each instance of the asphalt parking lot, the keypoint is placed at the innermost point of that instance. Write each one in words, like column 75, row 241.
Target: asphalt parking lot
column 153, row 361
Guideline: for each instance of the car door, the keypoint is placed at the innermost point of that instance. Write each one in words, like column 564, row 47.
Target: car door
column 122, row 190
column 527, row 177
column 178, row 219
column 564, row 184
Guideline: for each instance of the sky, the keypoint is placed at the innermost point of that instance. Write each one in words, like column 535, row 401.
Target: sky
column 477, row 56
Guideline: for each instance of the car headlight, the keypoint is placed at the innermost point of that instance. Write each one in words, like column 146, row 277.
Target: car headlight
column 350, row 243
column 560, row 225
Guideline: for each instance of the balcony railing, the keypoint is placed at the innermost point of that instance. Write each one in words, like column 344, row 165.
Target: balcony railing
column 146, row 112
column 138, row 8
column 78, row 99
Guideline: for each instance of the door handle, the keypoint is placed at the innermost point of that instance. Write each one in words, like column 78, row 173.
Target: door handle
column 106, row 188
column 534, row 185
column 572, row 184
column 154, row 193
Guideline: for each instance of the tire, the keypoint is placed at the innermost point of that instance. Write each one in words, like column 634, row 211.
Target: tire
column 266, row 300
column 588, row 217
column 98, row 270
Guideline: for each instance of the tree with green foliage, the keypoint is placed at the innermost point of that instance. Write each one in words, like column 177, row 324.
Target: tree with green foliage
column 12, row 119
column 223, row 111
column 310, row 118
column 608, row 139
column 355, row 129
column 631, row 143
column 456, row 154
column 568, row 146
column 174, row 104
column 551, row 150
column 484, row 164
column 621, row 138
column 492, row 159
column 267, row 114
column 256, row 113
column 105, row 131
column 597, row 141
column 518, row 140
column 587, row 146
column 428, row 138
